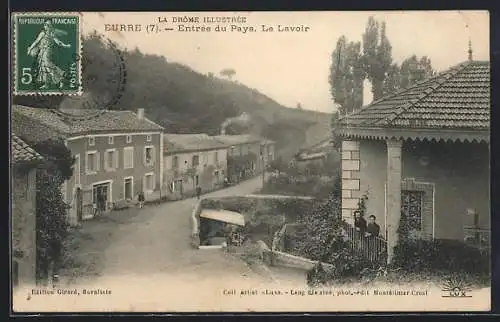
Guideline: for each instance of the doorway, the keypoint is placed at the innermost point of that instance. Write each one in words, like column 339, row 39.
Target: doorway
column 103, row 190
column 129, row 194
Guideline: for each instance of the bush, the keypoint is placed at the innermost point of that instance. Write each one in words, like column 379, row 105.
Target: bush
column 440, row 255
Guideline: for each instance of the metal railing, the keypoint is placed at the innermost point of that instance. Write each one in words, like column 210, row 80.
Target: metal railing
column 372, row 248
column 478, row 237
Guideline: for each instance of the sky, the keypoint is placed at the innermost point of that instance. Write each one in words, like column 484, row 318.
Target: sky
column 293, row 67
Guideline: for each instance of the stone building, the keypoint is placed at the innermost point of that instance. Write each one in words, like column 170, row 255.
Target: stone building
column 423, row 151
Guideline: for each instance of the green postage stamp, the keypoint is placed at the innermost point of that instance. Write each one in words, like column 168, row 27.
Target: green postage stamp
column 47, row 54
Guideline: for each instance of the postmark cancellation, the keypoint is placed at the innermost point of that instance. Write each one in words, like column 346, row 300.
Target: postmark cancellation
column 47, row 54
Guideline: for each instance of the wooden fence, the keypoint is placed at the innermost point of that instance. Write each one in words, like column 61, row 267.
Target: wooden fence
column 372, row 248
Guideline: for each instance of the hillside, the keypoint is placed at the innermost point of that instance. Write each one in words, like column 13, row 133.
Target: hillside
column 185, row 101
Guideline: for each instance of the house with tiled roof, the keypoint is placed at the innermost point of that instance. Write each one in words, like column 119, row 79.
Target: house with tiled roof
column 24, row 161
column 421, row 156
column 192, row 160
column 248, row 155
column 117, row 154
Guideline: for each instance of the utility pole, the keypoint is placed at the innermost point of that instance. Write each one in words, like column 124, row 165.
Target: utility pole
column 263, row 170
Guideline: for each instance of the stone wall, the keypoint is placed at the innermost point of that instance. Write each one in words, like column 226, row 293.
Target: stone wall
column 24, row 224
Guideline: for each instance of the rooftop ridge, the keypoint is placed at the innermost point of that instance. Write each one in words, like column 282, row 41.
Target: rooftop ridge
column 447, row 76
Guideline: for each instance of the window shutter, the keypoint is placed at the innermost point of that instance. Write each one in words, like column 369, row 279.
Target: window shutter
column 97, row 161
column 115, row 159
column 153, row 155
column 106, row 160
column 144, row 157
column 86, row 163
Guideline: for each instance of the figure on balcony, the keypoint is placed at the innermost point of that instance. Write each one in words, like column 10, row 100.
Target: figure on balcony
column 359, row 222
column 372, row 229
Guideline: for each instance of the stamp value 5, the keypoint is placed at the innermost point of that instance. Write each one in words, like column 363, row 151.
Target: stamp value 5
column 47, row 54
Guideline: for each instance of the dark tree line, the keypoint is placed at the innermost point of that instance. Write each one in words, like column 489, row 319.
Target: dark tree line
column 371, row 59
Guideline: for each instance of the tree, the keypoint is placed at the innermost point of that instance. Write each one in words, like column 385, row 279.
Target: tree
column 414, row 70
column 347, row 75
column 228, row 72
column 377, row 55
column 51, row 211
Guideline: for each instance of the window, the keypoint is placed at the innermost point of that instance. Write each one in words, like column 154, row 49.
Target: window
column 92, row 162
column 128, row 157
column 411, row 206
column 175, row 162
column 261, row 150
column 196, row 160
column 196, row 180
column 91, row 140
column 216, row 157
column 149, row 182
column 129, row 139
column 111, row 159
column 111, row 139
column 148, row 138
column 76, row 170
column 149, row 155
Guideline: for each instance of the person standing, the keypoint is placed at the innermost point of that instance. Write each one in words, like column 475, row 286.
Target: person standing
column 372, row 229
column 101, row 203
column 141, row 198
column 198, row 192
column 359, row 222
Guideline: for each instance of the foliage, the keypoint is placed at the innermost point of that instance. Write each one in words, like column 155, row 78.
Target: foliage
column 278, row 165
column 228, row 72
column 377, row 55
column 417, row 254
column 362, row 204
column 347, row 75
column 421, row 255
column 59, row 157
column 52, row 227
column 353, row 62
column 323, row 241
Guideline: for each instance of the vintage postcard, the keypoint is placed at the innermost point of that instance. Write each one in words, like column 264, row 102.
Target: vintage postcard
column 250, row 161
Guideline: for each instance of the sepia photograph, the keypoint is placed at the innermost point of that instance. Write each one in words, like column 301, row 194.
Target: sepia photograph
column 320, row 161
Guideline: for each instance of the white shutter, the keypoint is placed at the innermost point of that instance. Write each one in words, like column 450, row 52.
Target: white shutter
column 153, row 155
column 97, row 161
column 86, row 163
column 131, row 157
column 106, row 160
column 144, row 157
column 115, row 159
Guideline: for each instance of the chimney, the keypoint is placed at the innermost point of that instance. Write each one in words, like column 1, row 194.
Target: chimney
column 470, row 50
column 140, row 113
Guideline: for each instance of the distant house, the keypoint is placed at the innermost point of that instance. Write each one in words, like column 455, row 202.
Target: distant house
column 423, row 152
column 317, row 155
column 24, row 161
column 248, row 155
column 192, row 160
column 117, row 153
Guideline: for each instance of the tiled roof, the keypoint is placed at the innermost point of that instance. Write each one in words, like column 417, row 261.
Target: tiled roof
column 22, row 152
column 52, row 123
column 190, row 142
column 229, row 140
column 458, row 98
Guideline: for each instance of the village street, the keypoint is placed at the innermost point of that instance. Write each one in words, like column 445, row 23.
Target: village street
column 155, row 240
